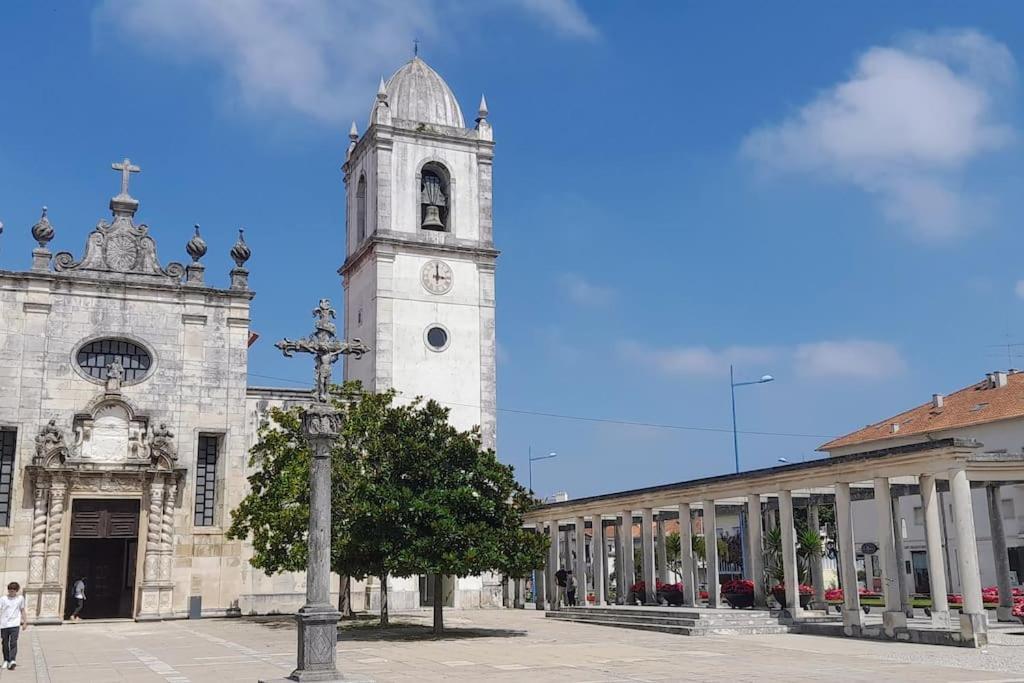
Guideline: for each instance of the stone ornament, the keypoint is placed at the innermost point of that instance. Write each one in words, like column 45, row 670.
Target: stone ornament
column 162, row 446
column 115, row 376
column 321, row 421
column 50, row 444
column 241, row 251
column 42, row 231
column 120, row 246
column 196, row 247
column 325, row 348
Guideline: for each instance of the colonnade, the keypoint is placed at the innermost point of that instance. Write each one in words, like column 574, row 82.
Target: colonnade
column 618, row 514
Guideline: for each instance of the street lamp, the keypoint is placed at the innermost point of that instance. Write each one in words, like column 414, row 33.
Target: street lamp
column 533, row 459
column 733, row 384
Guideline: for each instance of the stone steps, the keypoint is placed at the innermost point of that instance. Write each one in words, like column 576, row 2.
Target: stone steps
column 680, row 621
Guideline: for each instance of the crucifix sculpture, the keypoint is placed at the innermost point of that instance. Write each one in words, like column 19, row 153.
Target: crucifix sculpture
column 126, row 168
column 318, row 619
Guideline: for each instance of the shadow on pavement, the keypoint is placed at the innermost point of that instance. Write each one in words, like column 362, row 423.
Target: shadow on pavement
column 368, row 628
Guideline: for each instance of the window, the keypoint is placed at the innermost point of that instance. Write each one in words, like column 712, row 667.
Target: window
column 7, row 440
column 206, row 480
column 1009, row 512
column 94, row 357
column 437, row 338
column 435, row 198
column 918, row 516
column 361, row 209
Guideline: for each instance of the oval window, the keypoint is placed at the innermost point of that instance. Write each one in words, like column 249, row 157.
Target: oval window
column 437, row 338
column 94, row 357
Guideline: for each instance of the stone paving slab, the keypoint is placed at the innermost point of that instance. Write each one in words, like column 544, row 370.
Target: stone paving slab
column 493, row 646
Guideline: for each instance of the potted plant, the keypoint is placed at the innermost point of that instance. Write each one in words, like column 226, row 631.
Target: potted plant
column 739, row 593
column 637, row 593
column 806, row 594
column 671, row 593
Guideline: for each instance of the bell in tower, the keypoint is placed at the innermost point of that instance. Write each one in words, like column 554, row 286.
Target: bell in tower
column 433, row 200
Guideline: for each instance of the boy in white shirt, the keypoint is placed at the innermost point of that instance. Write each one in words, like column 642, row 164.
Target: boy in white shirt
column 12, row 620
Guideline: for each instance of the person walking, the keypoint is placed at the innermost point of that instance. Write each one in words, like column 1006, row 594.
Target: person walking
column 79, row 593
column 570, row 588
column 561, row 576
column 12, row 620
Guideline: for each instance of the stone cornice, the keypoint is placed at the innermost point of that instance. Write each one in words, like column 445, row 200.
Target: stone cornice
column 60, row 281
column 388, row 242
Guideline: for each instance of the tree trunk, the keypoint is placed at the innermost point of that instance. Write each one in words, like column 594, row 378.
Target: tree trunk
column 384, row 599
column 345, row 597
column 438, row 604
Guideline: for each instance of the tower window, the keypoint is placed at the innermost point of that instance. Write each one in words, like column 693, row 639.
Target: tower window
column 361, row 209
column 435, row 198
column 94, row 357
column 437, row 337
column 206, row 480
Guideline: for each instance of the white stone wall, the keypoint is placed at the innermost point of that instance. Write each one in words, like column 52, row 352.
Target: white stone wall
column 198, row 339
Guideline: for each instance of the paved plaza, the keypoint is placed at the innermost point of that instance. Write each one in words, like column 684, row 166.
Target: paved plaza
column 499, row 645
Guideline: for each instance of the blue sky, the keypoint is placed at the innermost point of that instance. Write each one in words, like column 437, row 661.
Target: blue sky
column 828, row 194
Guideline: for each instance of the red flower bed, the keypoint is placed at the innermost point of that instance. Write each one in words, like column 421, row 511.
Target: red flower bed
column 741, row 586
column 835, row 594
column 803, row 589
column 659, row 587
column 703, row 595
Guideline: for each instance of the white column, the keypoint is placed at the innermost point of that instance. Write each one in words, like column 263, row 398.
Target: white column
column 540, row 594
column 554, row 558
column 755, row 548
column 1002, row 559
column 972, row 620
column 686, row 554
column 625, row 569
column 660, row 551
column 647, row 562
column 580, row 569
column 902, row 580
column 599, row 559
column 852, row 620
column 893, row 617
column 711, row 553
column 933, row 539
column 789, row 566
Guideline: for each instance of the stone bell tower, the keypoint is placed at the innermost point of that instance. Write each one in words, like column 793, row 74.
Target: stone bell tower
column 420, row 257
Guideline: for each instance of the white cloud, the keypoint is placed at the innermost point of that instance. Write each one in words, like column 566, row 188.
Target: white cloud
column 320, row 58
column 854, row 359
column 1019, row 289
column 903, row 127
column 696, row 360
column 582, row 292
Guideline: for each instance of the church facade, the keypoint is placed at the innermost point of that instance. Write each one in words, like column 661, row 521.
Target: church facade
column 126, row 416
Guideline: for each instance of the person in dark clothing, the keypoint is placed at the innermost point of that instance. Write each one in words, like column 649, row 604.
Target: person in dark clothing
column 570, row 589
column 561, row 577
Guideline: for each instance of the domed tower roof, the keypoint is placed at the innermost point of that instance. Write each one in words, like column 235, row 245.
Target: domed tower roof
column 418, row 93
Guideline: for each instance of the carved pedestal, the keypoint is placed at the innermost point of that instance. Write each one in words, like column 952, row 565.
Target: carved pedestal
column 157, row 587
column 51, row 592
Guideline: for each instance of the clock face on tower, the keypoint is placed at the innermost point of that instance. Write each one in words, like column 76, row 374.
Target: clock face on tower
column 436, row 277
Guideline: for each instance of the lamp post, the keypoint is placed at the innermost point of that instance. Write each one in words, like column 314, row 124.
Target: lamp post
column 736, row 456
column 532, row 460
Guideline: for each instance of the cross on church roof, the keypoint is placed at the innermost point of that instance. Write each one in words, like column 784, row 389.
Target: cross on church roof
column 126, row 168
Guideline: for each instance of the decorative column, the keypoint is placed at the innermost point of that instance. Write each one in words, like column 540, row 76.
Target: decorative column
column 599, row 560
column 317, row 620
column 149, row 609
column 755, row 552
column 625, row 569
column 933, row 538
column 539, row 587
column 817, row 577
column 554, row 557
column 973, row 623
column 711, row 553
column 686, row 554
column 789, row 565
column 660, row 551
column 37, row 551
column 906, row 603
column 167, row 547
column 1002, row 559
column 581, row 561
column 647, row 557
column 852, row 619
column 893, row 617
column 53, row 591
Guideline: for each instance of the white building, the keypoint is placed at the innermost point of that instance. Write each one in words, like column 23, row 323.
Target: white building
column 990, row 412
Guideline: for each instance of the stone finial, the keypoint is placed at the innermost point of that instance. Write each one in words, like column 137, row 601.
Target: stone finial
column 42, row 231
column 482, row 111
column 240, row 253
column 353, row 132
column 124, row 204
column 483, row 126
column 196, row 246
column 382, row 91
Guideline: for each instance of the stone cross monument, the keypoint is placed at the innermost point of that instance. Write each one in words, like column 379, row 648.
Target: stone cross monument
column 318, row 618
